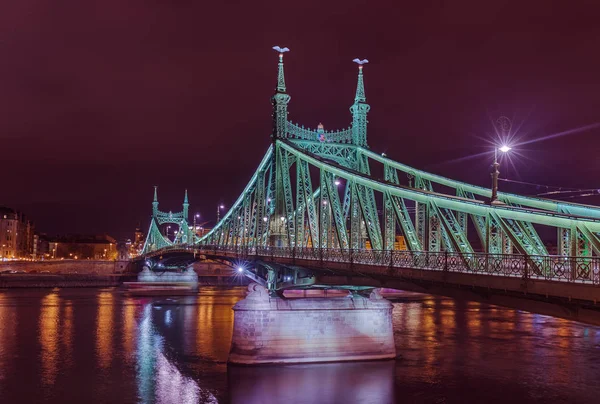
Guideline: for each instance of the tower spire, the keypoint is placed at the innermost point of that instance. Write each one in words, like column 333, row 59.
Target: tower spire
column 186, row 206
column 360, row 87
column 280, row 99
column 280, row 74
column 360, row 108
column 155, row 202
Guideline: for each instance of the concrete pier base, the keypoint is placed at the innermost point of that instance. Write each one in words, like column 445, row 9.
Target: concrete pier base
column 188, row 276
column 280, row 330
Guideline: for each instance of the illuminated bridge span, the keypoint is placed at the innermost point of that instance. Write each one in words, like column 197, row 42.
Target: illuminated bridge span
column 322, row 210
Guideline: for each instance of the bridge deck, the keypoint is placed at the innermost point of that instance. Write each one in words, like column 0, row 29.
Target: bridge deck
column 568, row 277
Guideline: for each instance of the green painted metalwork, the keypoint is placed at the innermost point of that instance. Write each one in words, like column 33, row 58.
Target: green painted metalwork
column 336, row 209
column 280, row 208
column 359, row 110
column 155, row 239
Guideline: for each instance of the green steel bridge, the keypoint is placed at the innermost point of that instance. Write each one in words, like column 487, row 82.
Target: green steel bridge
column 314, row 215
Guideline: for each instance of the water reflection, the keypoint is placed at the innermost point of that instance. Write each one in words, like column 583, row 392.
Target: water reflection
column 49, row 337
column 173, row 350
column 8, row 327
column 129, row 326
column 361, row 382
column 67, row 334
column 160, row 380
column 104, row 329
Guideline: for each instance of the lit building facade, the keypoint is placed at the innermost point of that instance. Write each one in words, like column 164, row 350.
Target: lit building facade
column 96, row 247
column 16, row 235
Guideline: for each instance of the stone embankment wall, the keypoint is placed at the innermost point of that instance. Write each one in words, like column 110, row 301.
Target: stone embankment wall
column 82, row 273
column 66, row 267
column 62, row 273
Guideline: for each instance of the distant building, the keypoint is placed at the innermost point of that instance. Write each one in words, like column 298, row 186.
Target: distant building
column 136, row 246
column 77, row 246
column 41, row 246
column 16, row 234
column 124, row 249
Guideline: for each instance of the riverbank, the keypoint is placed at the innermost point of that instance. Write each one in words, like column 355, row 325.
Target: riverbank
column 59, row 267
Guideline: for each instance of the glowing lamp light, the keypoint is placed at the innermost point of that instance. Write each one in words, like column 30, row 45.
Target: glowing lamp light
column 505, row 148
column 264, row 219
column 240, row 269
column 221, row 207
column 337, row 182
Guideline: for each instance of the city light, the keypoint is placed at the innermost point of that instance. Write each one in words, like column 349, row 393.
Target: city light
column 240, row 269
column 505, row 148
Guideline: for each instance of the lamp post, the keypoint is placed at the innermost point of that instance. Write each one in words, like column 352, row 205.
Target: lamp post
column 196, row 216
column 168, row 227
column 219, row 207
column 504, row 149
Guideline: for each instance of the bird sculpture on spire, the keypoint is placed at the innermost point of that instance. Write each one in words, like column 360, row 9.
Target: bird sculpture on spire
column 280, row 49
column 360, row 62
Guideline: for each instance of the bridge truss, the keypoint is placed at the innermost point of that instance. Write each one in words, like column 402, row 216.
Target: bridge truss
column 316, row 190
column 155, row 239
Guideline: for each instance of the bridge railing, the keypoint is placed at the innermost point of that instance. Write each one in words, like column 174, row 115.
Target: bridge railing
column 550, row 267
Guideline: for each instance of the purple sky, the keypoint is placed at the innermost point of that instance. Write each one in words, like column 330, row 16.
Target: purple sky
column 98, row 103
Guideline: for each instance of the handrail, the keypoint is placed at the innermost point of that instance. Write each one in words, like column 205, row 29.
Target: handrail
column 569, row 269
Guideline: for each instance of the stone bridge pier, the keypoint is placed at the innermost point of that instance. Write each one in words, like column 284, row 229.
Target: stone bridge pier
column 271, row 329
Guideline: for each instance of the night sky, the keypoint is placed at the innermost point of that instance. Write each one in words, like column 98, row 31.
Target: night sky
column 99, row 102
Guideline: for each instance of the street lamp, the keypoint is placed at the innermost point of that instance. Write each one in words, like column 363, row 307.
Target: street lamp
column 504, row 149
column 168, row 227
column 196, row 216
column 219, row 207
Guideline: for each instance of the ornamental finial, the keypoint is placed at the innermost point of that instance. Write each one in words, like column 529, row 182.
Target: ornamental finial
column 280, row 75
column 360, row 87
column 185, row 198
column 155, row 193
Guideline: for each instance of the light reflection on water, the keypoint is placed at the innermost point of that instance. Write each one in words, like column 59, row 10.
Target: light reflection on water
column 49, row 337
column 158, row 379
column 8, row 326
column 104, row 329
column 98, row 345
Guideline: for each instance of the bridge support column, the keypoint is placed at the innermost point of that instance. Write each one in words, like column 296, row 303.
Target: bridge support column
column 279, row 330
column 188, row 276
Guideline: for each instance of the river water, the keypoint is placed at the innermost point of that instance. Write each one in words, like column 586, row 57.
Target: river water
column 101, row 346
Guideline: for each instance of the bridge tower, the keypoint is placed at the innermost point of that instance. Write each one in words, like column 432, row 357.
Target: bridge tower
column 276, row 216
column 280, row 99
column 155, row 239
column 360, row 109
